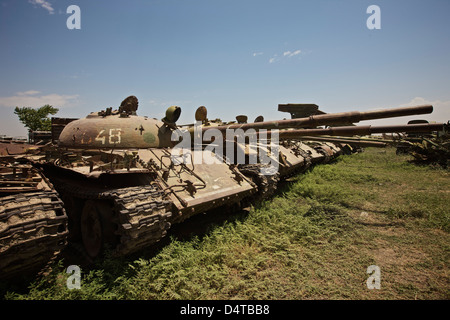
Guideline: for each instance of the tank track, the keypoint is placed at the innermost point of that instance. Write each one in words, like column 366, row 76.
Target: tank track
column 33, row 229
column 267, row 184
column 143, row 217
column 140, row 215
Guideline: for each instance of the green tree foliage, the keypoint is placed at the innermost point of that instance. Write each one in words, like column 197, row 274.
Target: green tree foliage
column 36, row 119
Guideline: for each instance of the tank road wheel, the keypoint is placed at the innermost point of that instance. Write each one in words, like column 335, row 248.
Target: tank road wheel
column 96, row 226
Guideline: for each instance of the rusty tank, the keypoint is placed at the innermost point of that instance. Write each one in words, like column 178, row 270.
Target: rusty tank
column 33, row 222
column 299, row 148
column 113, row 182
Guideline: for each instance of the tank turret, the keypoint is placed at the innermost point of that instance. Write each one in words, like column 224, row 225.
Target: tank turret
column 121, row 128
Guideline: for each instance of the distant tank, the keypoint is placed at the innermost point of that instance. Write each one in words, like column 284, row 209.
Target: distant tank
column 123, row 187
column 426, row 146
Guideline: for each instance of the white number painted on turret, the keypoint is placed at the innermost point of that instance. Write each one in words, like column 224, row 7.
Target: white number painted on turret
column 98, row 138
column 113, row 138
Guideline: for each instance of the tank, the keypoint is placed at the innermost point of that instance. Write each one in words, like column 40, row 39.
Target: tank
column 298, row 152
column 347, row 138
column 426, row 146
column 117, row 185
column 33, row 222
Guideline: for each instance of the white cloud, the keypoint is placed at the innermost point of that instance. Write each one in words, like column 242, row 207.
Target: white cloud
column 441, row 109
column 31, row 98
column 274, row 58
column 257, row 53
column 286, row 54
column 291, row 54
column 44, row 4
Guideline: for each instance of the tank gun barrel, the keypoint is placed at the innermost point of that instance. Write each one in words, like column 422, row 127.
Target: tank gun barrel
column 349, row 131
column 330, row 118
column 355, row 142
column 361, row 130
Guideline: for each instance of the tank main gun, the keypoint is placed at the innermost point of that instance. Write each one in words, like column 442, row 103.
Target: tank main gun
column 345, row 140
column 345, row 135
column 361, row 130
column 349, row 131
column 329, row 119
column 321, row 119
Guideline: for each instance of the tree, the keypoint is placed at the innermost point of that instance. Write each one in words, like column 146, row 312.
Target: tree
column 36, row 119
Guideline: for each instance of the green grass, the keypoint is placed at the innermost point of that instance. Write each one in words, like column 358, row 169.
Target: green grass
column 313, row 240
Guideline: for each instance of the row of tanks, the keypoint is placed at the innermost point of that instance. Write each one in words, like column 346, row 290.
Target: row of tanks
column 431, row 148
column 113, row 181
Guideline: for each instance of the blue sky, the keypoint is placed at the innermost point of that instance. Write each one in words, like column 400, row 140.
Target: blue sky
column 234, row 57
